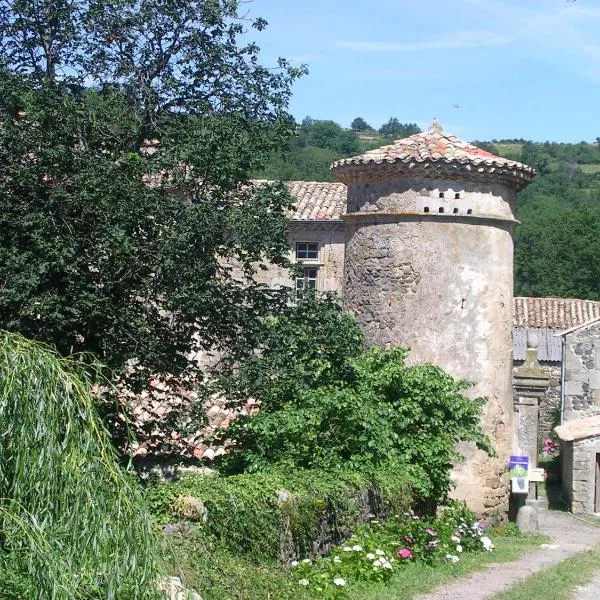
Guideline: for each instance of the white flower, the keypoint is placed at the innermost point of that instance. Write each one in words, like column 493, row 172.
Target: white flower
column 347, row 549
column 356, row 548
column 380, row 552
column 381, row 562
column 303, row 582
column 307, row 561
column 487, row 543
column 339, row 581
column 337, row 559
column 455, row 539
column 459, row 548
column 387, row 564
column 452, row 558
column 370, row 556
column 294, row 563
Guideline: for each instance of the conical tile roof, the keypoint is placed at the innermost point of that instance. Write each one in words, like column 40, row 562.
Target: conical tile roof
column 436, row 153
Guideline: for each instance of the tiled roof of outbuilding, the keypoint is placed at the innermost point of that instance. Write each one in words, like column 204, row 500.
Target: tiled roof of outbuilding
column 436, row 151
column 318, row 200
column 553, row 313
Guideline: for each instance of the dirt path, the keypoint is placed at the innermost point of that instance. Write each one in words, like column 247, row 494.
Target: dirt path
column 569, row 536
column 590, row 591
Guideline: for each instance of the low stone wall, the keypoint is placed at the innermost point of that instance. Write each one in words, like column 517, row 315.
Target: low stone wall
column 280, row 517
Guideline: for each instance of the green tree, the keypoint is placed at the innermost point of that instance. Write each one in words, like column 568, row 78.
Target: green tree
column 555, row 251
column 393, row 128
column 326, row 403
column 72, row 522
column 113, row 113
column 359, row 124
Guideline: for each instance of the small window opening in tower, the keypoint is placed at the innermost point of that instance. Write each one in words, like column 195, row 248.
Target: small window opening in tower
column 441, row 209
column 441, row 194
column 426, row 209
column 455, row 211
column 470, row 211
column 457, row 195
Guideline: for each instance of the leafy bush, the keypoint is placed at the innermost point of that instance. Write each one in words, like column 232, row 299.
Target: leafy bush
column 72, row 522
column 325, row 402
column 280, row 516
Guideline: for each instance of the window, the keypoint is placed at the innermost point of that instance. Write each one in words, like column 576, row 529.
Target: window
column 307, row 250
column 307, row 280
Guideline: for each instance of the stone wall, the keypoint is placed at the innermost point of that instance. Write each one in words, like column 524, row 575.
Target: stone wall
column 429, row 266
column 579, row 473
column 582, row 373
column 549, row 406
column 330, row 237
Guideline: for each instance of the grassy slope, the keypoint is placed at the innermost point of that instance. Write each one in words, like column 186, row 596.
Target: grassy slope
column 556, row 583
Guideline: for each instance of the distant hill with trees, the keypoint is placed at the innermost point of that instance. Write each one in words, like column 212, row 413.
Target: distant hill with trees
column 557, row 245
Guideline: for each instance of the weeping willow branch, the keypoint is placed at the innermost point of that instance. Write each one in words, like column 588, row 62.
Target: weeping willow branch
column 72, row 522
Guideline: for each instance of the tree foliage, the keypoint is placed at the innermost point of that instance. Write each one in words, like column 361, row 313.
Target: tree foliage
column 72, row 522
column 393, row 128
column 327, row 403
column 113, row 113
column 359, row 124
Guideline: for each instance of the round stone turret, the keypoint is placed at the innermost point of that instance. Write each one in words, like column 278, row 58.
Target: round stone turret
column 429, row 265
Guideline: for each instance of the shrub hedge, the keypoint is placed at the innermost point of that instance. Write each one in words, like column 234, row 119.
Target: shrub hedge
column 281, row 516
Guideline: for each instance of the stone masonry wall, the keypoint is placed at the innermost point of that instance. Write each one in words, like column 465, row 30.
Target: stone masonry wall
column 440, row 282
column 582, row 373
column 584, row 474
column 330, row 262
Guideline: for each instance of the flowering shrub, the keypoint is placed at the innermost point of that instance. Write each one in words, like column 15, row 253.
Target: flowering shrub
column 376, row 551
column 550, row 446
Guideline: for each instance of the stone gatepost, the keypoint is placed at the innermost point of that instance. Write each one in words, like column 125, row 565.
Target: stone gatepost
column 530, row 383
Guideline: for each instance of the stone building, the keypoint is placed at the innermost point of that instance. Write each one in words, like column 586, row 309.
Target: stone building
column 581, row 367
column 429, row 229
column 580, row 454
column 417, row 239
column 545, row 318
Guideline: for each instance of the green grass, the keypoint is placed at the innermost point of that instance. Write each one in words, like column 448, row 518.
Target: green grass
column 217, row 574
column 590, row 169
column 419, row 578
column 509, row 148
column 558, row 582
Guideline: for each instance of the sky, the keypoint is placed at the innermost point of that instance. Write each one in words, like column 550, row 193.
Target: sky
column 486, row 69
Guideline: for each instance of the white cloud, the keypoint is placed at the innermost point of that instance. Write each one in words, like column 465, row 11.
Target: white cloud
column 558, row 32
column 460, row 39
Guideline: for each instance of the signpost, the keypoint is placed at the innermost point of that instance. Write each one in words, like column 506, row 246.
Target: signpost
column 518, row 470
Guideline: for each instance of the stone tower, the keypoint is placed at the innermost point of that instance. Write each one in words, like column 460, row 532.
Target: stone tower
column 429, row 265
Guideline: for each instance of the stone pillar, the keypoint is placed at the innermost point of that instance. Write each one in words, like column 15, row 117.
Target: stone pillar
column 530, row 384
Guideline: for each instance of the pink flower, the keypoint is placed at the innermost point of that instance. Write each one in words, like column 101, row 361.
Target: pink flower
column 404, row 553
column 408, row 539
column 431, row 532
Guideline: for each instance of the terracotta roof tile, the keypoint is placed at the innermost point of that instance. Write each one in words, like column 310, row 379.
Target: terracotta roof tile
column 316, row 200
column 553, row 313
column 435, row 147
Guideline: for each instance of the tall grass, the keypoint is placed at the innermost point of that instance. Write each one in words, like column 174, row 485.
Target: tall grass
column 72, row 522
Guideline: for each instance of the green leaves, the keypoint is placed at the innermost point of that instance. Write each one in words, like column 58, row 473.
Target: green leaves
column 326, row 403
column 72, row 522
column 128, row 227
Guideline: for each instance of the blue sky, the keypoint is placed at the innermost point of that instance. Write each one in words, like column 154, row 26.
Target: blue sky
column 484, row 68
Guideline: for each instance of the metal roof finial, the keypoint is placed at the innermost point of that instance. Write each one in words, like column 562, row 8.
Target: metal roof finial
column 435, row 125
